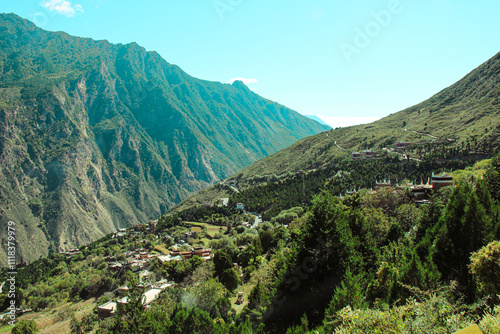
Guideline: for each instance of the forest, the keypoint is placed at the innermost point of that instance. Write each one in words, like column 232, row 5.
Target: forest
column 373, row 261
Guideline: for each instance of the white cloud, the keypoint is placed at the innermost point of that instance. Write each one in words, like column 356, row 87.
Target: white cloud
column 341, row 121
column 246, row 81
column 63, row 7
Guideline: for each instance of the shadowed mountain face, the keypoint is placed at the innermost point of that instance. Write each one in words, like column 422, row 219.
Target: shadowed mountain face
column 95, row 136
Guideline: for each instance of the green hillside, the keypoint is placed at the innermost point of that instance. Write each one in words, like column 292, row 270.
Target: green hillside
column 370, row 262
column 460, row 123
column 463, row 119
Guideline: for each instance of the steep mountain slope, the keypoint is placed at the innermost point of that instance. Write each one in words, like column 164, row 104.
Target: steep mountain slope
column 460, row 122
column 95, row 136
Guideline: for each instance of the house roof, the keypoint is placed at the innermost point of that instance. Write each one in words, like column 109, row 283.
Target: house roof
column 164, row 258
column 110, row 306
column 150, row 296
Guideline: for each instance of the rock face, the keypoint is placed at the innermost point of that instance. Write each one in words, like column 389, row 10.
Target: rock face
column 96, row 136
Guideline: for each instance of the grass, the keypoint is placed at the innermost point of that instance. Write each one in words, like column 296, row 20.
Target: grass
column 246, row 289
column 211, row 229
column 205, row 241
column 162, row 249
column 6, row 329
column 47, row 320
column 196, row 229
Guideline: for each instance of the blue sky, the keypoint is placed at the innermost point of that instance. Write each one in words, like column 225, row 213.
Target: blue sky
column 347, row 62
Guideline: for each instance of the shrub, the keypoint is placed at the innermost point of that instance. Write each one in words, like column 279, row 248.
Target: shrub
column 63, row 313
column 431, row 313
column 485, row 266
column 491, row 322
column 25, row 327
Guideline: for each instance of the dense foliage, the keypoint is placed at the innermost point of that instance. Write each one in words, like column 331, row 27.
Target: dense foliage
column 369, row 261
column 271, row 194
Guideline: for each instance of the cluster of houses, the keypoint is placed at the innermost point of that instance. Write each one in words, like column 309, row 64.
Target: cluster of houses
column 220, row 202
column 367, row 154
column 138, row 261
column 177, row 255
column 422, row 191
column 147, row 227
column 363, row 155
column 71, row 252
column 223, row 202
column 401, row 145
column 152, row 292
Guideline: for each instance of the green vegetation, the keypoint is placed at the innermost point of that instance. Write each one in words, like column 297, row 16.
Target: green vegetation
column 460, row 122
column 369, row 262
column 211, row 230
column 25, row 327
column 299, row 189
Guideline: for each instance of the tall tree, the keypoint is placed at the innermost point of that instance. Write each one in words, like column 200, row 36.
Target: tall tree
column 463, row 228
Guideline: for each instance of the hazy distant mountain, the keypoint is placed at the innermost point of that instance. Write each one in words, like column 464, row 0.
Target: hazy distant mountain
column 95, row 136
column 317, row 119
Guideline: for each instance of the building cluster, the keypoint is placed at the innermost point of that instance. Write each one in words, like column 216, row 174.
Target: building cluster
column 365, row 155
column 138, row 261
column 147, row 227
column 176, row 255
column 422, row 191
column 71, row 252
column 401, row 145
column 151, row 293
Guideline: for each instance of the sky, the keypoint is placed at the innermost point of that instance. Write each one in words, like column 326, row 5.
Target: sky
column 347, row 62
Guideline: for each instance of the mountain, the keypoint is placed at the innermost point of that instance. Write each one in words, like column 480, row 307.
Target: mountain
column 460, row 123
column 317, row 119
column 95, row 136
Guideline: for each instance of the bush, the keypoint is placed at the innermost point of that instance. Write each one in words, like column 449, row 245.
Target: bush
column 433, row 313
column 230, row 279
column 491, row 322
column 25, row 327
column 284, row 218
column 63, row 314
column 485, row 266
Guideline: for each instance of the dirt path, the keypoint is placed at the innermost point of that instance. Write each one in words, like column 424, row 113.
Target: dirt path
column 335, row 142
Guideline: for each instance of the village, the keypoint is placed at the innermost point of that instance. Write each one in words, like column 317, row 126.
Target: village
column 182, row 245
column 190, row 240
column 139, row 262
